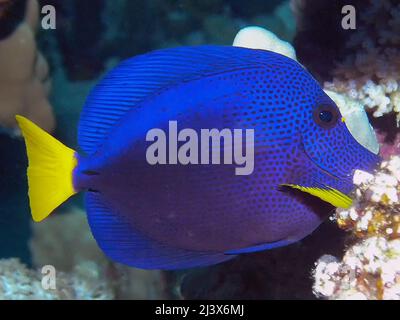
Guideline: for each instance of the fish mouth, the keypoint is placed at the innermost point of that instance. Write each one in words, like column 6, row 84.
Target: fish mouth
column 331, row 192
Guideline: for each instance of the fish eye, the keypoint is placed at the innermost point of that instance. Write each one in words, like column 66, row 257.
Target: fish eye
column 326, row 116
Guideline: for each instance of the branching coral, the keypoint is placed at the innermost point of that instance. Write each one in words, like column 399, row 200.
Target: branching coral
column 370, row 268
column 363, row 63
column 363, row 66
column 376, row 210
column 370, row 72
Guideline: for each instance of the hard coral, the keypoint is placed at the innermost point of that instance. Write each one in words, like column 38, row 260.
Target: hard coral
column 259, row 38
column 363, row 63
column 86, row 281
column 370, row 269
column 70, row 233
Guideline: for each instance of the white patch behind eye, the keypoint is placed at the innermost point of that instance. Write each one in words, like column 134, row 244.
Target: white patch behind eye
column 356, row 121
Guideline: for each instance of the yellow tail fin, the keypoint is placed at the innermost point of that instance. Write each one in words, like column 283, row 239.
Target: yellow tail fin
column 50, row 169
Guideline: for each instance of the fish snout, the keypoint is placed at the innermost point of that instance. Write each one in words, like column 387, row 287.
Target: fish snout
column 368, row 164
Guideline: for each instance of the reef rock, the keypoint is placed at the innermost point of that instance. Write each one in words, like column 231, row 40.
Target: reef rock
column 65, row 242
column 24, row 79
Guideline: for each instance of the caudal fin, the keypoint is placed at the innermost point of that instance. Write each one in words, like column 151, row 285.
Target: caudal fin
column 50, row 169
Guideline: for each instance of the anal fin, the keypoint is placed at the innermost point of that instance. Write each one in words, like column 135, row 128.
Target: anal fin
column 122, row 243
column 260, row 247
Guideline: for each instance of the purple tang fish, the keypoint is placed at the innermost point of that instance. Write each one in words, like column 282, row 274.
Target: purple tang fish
column 161, row 194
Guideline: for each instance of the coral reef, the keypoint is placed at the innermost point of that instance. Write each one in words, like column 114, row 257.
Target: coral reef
column 270, row 274
column 370, row 268
column 351, row 63
column 85, row 282
column 364, row 63
column 70, row 232
column 24, row 80
column 360, row 67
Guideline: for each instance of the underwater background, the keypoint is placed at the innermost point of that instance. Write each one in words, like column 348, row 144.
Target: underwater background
column 91, row 37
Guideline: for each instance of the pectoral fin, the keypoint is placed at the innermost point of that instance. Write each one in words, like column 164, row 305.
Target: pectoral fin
column 330, row 195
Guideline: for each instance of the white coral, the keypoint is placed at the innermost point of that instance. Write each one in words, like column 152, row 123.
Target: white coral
column 325, row 268
column 384, row 185
column 371, row 72
column 18, row 282
column 259, row 38
column 86, row 282
column 370, row 269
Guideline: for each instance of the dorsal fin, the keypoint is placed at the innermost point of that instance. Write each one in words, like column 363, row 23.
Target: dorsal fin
column 140, row 77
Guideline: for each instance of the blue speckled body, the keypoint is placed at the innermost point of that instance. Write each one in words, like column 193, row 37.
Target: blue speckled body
column 207, row 208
